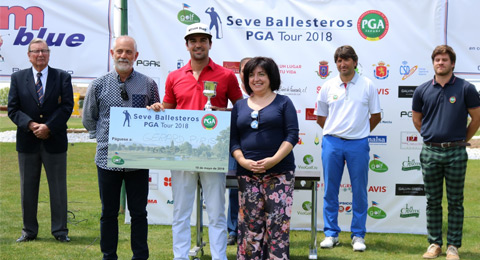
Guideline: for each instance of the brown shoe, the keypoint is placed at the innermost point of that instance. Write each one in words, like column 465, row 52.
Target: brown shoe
column 452, row 253
column 433, row 251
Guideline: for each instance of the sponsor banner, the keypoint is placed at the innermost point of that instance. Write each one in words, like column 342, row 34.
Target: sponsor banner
column 188, row 140
column 77, row 33
column 302, row 39
column 467, row 48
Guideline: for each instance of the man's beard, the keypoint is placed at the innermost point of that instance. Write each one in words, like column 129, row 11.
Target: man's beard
column 122, row 66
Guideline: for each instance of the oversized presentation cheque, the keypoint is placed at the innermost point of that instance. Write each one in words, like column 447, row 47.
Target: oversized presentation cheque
column 189, row 140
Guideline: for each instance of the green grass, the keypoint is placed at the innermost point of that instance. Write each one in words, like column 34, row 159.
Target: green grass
column 75, row 122
column 85, row 204
column 6, row 124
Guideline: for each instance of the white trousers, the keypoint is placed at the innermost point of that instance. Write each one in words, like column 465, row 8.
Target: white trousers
column 183, row 189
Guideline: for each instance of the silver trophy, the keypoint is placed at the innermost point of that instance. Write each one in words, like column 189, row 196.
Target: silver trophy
column 209, row 90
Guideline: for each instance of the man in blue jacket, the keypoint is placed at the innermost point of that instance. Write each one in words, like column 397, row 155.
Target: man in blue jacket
column 40, row 103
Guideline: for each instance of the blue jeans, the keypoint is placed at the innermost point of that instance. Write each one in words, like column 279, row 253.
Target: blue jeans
column 232, row 217
column 335, row 152
column 136, row 186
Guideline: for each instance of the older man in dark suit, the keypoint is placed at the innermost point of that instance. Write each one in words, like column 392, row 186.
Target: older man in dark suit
column 40, row 103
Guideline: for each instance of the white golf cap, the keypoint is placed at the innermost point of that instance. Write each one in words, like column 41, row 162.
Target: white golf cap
column 197, row 28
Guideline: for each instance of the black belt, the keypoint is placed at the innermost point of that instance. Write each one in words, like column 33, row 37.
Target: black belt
column 447, row 144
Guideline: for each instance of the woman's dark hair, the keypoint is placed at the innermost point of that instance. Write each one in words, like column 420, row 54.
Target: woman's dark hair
column 270, row 68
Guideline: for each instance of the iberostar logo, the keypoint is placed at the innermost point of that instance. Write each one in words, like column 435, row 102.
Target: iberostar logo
column 209, row 121
column 376, row 212
column 116, row 159
column 187, row 17
column 376, row 165
column 372, row 25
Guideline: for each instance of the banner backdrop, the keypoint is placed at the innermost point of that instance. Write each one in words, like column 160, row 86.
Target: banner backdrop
column 77, row 32
column 393, row 40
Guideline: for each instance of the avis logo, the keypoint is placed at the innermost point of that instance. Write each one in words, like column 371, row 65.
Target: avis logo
column 381, row 189
column 37, row 15
column 167, row 182
column 376, row 212
column 383, row 91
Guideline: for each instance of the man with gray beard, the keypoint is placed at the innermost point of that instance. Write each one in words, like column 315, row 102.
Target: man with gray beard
column 122, row 87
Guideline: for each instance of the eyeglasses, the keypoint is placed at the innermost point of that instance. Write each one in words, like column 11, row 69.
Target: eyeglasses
column 40, row 51
column 254, row 116
column 124, row 93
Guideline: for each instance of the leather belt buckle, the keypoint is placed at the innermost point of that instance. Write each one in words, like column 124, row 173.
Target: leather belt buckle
column 445, row 145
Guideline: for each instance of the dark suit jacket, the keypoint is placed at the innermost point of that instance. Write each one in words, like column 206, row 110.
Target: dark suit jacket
column 23, row 107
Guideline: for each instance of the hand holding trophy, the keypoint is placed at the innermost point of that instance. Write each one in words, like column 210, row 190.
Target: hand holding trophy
column 209, row 90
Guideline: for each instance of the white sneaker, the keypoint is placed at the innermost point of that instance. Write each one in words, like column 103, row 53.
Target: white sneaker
column 358, row 244
column 329, row 242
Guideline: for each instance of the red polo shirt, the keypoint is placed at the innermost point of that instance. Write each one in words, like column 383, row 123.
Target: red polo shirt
column 183, row 90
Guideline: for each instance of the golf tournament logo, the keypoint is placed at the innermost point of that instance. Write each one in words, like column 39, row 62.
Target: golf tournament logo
column 376, row 165
column 372, row 25
column 187, row 17
column 209, row 121
column 376, row 212
column 453, row 99
column 116, row 159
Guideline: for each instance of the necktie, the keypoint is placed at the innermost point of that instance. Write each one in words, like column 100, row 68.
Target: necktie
column 39, row 88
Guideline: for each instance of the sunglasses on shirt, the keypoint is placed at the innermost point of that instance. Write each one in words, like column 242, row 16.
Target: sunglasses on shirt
column 124, row 93
column 254, row 116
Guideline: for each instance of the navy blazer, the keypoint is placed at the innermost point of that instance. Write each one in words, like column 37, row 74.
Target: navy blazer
column 23, row 107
